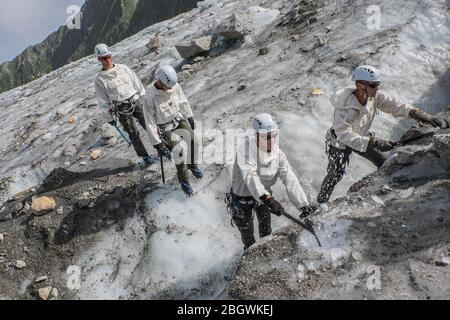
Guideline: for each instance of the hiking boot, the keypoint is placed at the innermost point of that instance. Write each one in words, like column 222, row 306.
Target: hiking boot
column 187, row 189
column 197, row 172
column 148, row 160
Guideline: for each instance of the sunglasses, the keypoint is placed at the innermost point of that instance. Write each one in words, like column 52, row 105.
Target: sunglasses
column 105, row 58
column 374, row 85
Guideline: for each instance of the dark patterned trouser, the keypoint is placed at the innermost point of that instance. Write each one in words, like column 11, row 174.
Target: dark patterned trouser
column 242, row 214
column 184, row 130
column 338, row 160
column 128, row 123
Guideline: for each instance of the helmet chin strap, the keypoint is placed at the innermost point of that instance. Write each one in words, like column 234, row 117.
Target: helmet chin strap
column 367, row 95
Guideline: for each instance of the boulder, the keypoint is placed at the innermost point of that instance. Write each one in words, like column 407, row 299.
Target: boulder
column 42, row 205
column 242, row 87
column 41, row 279
column 184, row 75
column 317, row 92
column 59, row 115
column 44, row 293
column 321, row 40
column 107, row 132
column 95, row 154
column 198, row 59
column 195, row 47
column 263, row 51
column 238, row 27
column 386, row 189
column 186, row 67
column 156, row 43
column 20, row 264
column 70, row 151
column 27, row 93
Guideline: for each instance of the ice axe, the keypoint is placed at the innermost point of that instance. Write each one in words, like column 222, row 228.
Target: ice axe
column 163, row 175
column 308, row 226
column 418, row 137
column 114, row 124
column 408, row 140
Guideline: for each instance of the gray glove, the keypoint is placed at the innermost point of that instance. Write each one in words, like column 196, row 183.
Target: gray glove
column 421, row 116
column 380, row 144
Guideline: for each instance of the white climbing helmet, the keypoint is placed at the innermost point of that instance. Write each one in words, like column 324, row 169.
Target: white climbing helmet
column 366, row 73
column 264, row 123
column 168, row 76
column 102, row 50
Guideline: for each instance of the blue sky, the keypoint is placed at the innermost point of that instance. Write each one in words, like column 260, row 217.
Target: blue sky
column 27, row 22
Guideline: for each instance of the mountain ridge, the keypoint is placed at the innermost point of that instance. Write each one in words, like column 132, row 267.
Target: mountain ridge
column 102, row 21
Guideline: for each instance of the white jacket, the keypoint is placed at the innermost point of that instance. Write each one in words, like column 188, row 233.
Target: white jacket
column 352, row 121
column 117, row 84
column 163, row 106
column 256, row 171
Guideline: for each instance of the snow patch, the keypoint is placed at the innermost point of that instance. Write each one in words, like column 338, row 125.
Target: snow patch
column 335, row 246
column 195, row 241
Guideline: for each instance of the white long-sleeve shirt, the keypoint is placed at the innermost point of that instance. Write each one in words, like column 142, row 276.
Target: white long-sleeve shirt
column 256, row 171
column 163, row 106
column 117, row 84
column 352, row 121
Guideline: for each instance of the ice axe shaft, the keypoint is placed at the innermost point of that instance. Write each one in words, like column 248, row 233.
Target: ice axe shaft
column 420, row 136
column 163, row 175
column 121, row 133
column 308, row 227
column 408, row 140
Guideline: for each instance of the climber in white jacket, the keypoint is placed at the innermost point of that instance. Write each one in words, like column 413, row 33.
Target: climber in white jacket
column 355, row 110
column 169, row 118
column 120, row 94
column 258, row 165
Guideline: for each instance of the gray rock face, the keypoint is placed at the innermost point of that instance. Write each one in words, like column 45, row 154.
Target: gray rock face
column 441, row 144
